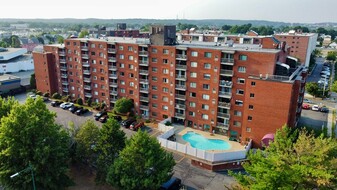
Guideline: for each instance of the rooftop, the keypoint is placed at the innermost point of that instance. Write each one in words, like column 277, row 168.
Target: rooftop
column 5, row 77
column 12, row 53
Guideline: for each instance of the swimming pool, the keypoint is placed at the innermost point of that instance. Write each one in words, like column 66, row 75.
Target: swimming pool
column 200, row 142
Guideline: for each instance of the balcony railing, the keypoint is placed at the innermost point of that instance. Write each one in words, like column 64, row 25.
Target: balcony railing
column 143, row 53
column 180, row 106
column 144, row 99
column 88, row 95
column 226, row 72
column 63, row 68
column 114, row 92
column 85, row 64
column 85, row 56
column 143, row 72
column 84, row 48
column 183, row 67
column 86, row 79
column 112, row 59
column 113, row 100
column 229, row 61
column 143, row 107
column 113, row 68
column 226, row 83
column 111, row 50
column 65, row 90
column 114, row 84
column 179, row 96
column 65, row 83
column 64, row 76
column 181, row 77
column 223, row 115
column 224, row 104
column 222, row 125
column 144, row 62
column 146, row 90
column 179, row 115
column 181, row 56
column 146, row 81
column 62, row 60
column 183, row 87
column 226, row 94
column 87, row 87
column 113, row 76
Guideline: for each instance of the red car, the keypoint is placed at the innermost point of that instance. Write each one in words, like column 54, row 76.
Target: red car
column 306, row 106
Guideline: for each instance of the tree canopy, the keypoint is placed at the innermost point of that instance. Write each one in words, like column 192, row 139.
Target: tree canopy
column 143, row 164
column 83, row 34
column 331, row 56
column 295, row 160
column 123, row 105
column 29, row 135
column 111, row 141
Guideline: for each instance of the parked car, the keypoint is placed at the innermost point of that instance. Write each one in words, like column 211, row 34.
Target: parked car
column 117, row 118
column 305, row 100
column 315, row 108
column 81, row 111
column 126, row 123
column 135, row 126
column 172, row 184
column 66, row 105
column 56, row 103
column 100, row 114
column 305, row 106
column 73, row 109
column 104, row 118
column 34, row 96
column 324, row 109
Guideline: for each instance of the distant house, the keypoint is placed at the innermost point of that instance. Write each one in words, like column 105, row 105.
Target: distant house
column 29, row 43
column 333, row 45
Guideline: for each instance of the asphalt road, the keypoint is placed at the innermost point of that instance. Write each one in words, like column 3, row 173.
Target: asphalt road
column 313, row 119
column 315, row 75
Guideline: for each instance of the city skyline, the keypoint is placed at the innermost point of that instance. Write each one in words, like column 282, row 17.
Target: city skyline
column 299, row 11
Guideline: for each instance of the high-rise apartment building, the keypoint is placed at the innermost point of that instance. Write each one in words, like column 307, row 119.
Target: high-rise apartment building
column 243, row 92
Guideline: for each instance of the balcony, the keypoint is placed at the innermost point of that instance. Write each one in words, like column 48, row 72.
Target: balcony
column 143, row 62
column 143, row 107
column 86, row 72
column 226, row 72
column 65, row 83
column 180, row 106
column 87, row 87
column 65, row 90
column 64, row 76
column 143, row 53
column 85, row 64
column 180, row 87
column 112, row 68
column 62, row 53
column 84, row 48
column 63, row 68
column 88, row 95
column 86, row 79
column 179, row 115
column 144, row 81
column 114, row 92
column 62, row 60
column 113, row 76
column 224, row 115
column 181, row 67
column 144, row 99
column 224, row 105
column 113, row 84
column 111, row 50
column 227, row 61
column 225, row 94
column 143, row 72
column 144, row 90
column 113, row 100
column 181, row 57
column 180, row 96
column 181, row 77
column 222, row 126
column 85, row 56
column 112, row 59
column 227, row 84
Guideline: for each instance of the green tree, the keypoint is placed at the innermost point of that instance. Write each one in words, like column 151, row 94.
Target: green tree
column 334, row 86
column 29, row 135
column 3, row 44
column 56, row 96
column 111, row 141
column 32, row 81
column 226, row 27
column 83, row 34
column 60, row 39
column 312, row 88
column 291, row 162
column 123, row 105
column 86, row 139
column 79, row 101
column 15, row 42
column 142, row 164
column 331, row 56
column 6, row 105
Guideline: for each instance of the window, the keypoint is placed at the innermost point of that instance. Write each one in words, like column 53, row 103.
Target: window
column 132, row 84
column 96, row 93
column 122, row 82
column 207, row 65
column 165, row 80
column 165, row 89
column 205, row 96
column 120, row 47
column 130, row 48
column 250, row 118
column 192, row 104
column 207, row 76
column 165, row 71
column 154, row 87
column 241, row 81
column 191, row 113
column 204, row 106
column 154, row 96
column 193, row 94
column 93, row 53
column 165, row 51
column 154, row 105
column 165, row 107
column 102, row 78
column 121, row 73
column 205, row 86
column 204, row 116
column 193, row 85
column 94, row 70
column 101, row 70
column 95, row 85
column 154, row 50
column 154, row 78
column 237, row 123
column 165, row 61
column 95, row 77
column 130, row 57
column 121, row 56
column 100, row 54
column 239, row 91
column 101, row 62
column 93, row 61
column 253, row 83
column 238, row 102
column 92, row 45
column 122, row 65
column 193, row 75
column 103, row 94
column 154, row 69
column 237, row 113
column 154, row 60
column 165, row 99
column 194, row 64
column 243, row 57
column 248, row 129
column 208, row 54
column 252, row 95
column 241, row 69
column 130, row 66
column 194, row 54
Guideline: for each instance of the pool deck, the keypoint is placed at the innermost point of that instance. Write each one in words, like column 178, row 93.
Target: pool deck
column 235, row 146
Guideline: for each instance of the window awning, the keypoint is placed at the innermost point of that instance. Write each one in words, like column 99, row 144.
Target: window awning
column 283, row 65
column 293, row 58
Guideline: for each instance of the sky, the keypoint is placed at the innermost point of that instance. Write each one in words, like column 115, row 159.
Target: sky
column 293, row 11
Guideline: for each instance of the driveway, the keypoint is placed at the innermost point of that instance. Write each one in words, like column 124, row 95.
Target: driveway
column 315, row 74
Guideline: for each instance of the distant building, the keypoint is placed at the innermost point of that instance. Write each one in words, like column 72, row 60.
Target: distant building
column 8, row 83
column 29, row 43
column 326, row 40
column 15, row 60
column 19, row 26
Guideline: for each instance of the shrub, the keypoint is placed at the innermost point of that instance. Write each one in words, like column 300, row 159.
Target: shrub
column 123, row 105
column 46, row 94
column 66, row 98
column 56, row 96
column 39, row 93
column 147, row 121
column 168, row 123
column 79, row 101
column 89, row 101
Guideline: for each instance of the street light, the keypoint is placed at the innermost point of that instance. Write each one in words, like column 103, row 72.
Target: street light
column 27, row 169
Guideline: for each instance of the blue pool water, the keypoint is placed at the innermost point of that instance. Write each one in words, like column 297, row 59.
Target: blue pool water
column 200, row 142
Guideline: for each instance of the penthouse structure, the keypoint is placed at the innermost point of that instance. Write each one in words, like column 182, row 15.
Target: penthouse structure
column 239, row 91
